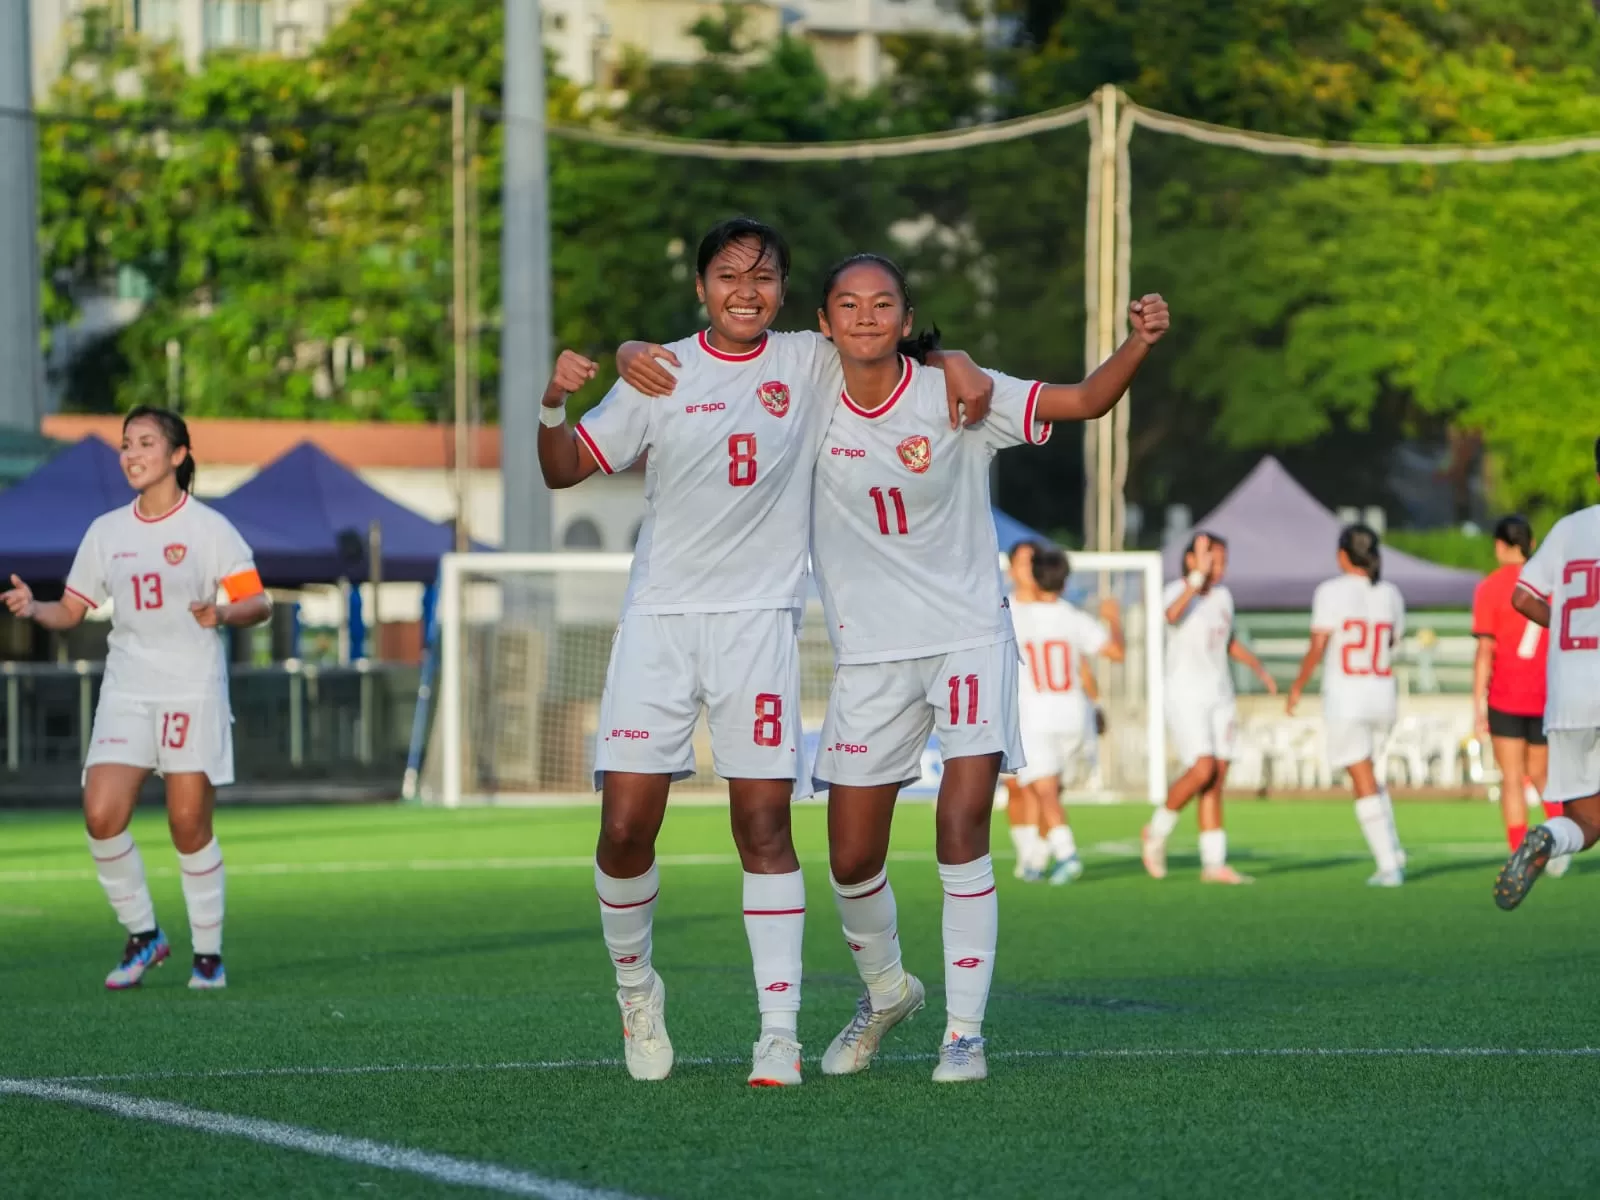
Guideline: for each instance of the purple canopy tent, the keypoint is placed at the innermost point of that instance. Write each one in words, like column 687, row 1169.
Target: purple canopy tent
column 1281, row 544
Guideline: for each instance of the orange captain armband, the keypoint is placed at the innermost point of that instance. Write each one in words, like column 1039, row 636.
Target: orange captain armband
column 242, row 585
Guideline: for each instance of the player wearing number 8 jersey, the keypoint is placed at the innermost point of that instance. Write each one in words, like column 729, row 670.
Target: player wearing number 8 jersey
column 1357, row 621
column 709, row 619
column 1560, row 589
column 905, row 550
column 161, row 561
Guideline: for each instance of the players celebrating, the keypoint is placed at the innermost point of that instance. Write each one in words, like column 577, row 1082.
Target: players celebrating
column 1356, row 622
column 1559, row 589
column 1055, row 713
column 164, row 700
column 1201, row 713
column 709, row 618
column 905, row 550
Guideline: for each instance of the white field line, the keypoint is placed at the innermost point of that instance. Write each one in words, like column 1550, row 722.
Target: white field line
column 1119, row 849
column 611, row 1064
column 440, row 1167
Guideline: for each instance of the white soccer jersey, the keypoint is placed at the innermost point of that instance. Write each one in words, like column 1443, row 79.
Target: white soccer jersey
column 1364, row 622
column 1565, row 573
column 153, row 570
column 1054, row 638
column 1197, row 646
column 902, row 537
column 727, row 480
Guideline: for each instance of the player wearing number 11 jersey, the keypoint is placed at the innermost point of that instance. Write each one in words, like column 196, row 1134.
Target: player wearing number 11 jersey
column 905, row 550
column 161, row 561
column 1357, row 620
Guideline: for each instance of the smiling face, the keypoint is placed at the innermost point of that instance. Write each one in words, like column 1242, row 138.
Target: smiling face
column 742, row 289
column 147, row 457
column 866, row 314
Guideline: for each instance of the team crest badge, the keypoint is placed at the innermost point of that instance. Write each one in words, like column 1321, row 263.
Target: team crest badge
column 774, row 397
column 916, row 454
column 175, row 553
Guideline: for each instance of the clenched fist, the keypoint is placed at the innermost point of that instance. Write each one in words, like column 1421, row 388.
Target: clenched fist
column 1150, row 318
column 572, row 371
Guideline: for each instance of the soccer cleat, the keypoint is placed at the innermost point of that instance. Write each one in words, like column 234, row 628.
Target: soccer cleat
column 645, row 1045
column 1154, row 854
column 1387, row 879
column 209, row 974
column 1523, row 868
column 776, row 1062
column 1558, row 865
column 1223, row 874
column 143, row 951
column 1066, row 870
column 1030, row 874
column 858, row 1042
column 961, row 1060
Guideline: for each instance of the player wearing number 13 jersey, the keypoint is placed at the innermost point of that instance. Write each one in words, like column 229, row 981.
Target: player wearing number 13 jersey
column 904, row 546
column 1357, row 621
column 1560, row 589
column 161, row 561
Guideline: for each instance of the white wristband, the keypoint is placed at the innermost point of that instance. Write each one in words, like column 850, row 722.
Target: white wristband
column 553, row 415
column 1196, row 579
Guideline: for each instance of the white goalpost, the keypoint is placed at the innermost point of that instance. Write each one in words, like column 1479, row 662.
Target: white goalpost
column 524, row 639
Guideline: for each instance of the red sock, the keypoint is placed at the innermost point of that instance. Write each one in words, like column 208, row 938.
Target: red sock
column 1554, row 808
column 1515, row 834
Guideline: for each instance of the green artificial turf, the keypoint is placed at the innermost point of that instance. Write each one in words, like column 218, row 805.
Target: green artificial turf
column 406, row 938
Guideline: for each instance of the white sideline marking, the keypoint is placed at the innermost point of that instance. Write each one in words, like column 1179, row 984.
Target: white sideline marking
column 607, row 1064
column 439, row 1167
column 1117, row 849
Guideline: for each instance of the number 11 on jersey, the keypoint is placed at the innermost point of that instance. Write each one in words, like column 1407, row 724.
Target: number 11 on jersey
column 899, row 503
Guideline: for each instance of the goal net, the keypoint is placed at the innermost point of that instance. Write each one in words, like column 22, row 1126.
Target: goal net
column 524, row 640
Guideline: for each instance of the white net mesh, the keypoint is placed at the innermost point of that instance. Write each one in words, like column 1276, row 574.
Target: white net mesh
column 525, row 641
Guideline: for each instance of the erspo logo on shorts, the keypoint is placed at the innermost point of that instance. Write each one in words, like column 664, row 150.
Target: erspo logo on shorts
column 642, row 735
column 848, row 748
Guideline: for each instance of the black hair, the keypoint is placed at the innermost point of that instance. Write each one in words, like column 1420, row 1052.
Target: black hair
column 176, row 432
column 1201, row 533
column 918, row 346
column 1597, row 456
column 1360, row 544
column 738, row 229
column 1515, row 531
column 1050, row 569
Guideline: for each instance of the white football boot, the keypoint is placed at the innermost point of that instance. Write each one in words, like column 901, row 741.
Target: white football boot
column 645, row 1045
column 858, row 1042
column 961, row 1060
column 776, row 1062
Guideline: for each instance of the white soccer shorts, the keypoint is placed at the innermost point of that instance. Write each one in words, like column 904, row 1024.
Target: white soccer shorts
column 881, row 714
column 1574, row 764
column 744, row 667
column 1352, row 740
column 1054, row 754
column 1207, row 729
column 172, row 737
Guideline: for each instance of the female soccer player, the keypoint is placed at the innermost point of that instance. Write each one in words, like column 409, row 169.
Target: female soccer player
column 1057, row 641
column 164, row 701
column 1508, row 679
column 1202, row 715
column 1356, row 622
column 905, row 552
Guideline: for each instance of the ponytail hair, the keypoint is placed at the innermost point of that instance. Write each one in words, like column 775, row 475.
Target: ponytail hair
column 1361, row 546
column 1515, row 531
column 175, row 431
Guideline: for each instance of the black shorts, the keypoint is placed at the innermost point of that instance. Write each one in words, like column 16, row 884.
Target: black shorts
column 1510, row 725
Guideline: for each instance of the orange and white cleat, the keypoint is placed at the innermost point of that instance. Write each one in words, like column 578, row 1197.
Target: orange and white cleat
column 1223, row 874
column 1154, row 854
column 776, row 1062
column 647, row 1049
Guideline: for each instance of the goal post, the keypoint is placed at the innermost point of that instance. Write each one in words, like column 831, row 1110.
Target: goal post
column 524, row 641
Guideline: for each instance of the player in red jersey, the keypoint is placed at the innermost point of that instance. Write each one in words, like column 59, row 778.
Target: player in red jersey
column 162, row 561
column 1508, row 679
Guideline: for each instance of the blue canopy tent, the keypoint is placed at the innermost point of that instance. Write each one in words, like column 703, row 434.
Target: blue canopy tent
column 44, row 517
column 306, row 500
column 1011, row 531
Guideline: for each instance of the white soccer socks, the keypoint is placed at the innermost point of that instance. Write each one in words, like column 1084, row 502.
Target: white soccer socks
column 1377, row 826
column 1023, row 840
column 971, row 930
column 1213, row 848
column 775, row 922
column 1061, row 843
column 1568, row 835
column 121, row 871
column 203, row 881
column 627, row 912
column 867, row 914
column 1162, row 822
